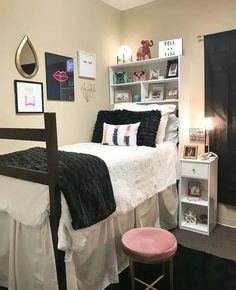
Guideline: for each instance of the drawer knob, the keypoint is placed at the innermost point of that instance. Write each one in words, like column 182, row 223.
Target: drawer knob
column 194, row 170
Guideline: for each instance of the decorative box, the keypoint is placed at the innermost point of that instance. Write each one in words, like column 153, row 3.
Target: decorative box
column 120, row 77
column 190, row 216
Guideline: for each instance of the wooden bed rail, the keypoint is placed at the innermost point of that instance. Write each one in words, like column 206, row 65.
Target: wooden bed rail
column 23, row 134
column 50, row 178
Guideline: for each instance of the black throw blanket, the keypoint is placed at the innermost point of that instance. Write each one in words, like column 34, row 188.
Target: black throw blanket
column 83, row 179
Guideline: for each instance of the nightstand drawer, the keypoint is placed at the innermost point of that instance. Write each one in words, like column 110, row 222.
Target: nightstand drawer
column 196, row 170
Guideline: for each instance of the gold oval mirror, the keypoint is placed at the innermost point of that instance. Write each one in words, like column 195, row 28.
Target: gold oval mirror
column 26, row 59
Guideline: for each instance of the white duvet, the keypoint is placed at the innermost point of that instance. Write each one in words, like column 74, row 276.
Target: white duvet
column 137, row 173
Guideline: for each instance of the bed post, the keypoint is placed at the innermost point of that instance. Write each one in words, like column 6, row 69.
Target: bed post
column 55, row 195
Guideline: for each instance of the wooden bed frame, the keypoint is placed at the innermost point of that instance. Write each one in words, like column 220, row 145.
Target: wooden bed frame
column 50, row 178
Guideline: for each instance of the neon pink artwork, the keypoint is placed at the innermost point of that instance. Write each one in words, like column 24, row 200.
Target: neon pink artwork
column 60, row 76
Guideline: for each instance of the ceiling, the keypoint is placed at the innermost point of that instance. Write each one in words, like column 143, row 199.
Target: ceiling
column 126, row 4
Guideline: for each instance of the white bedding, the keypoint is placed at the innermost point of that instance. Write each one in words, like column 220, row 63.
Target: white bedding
column 137, row 174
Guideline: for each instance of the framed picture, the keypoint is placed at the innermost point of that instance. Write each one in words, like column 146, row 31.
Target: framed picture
column 59, row 77
column 172, row 94
column 139, row 76
column 29, row 97
column 87, row 65
column 197, row 134
column 190, row 151
column 122, row 96
column 154, row 74
column 172, row 69
column 194, row 188
column 120, row 77
column 155, row 93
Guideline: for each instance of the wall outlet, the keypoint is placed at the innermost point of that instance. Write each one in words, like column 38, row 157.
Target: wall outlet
column 197, row 135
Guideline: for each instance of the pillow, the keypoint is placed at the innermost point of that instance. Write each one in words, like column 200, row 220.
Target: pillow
column 125, row 135
column 149, row 122
column 165, row 110
column 172, row 123
column 172, row 126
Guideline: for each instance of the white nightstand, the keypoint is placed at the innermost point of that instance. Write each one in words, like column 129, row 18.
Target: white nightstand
column 194, row 175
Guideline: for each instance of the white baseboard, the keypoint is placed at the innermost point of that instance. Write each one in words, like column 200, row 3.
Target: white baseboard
column 227, row 222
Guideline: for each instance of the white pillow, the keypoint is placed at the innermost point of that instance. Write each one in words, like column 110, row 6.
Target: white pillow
column 125, row 135
column 172, row 126
column 165, row 110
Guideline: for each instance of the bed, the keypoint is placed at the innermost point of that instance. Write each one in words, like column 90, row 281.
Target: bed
column 33, row 245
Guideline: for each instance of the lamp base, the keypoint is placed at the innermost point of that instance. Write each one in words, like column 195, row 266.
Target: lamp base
column 119, row 61
column 208, row 155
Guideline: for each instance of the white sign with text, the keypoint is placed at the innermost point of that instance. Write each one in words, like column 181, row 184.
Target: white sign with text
column 171, row 47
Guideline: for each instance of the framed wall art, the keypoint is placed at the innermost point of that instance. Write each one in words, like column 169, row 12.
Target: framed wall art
column 122, row 96
column 60, row 77
column 28, row 96
column 87, row 65
column 196, row 134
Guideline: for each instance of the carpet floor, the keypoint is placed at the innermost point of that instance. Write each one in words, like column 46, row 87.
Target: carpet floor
column 193, row 270
column 201, row 263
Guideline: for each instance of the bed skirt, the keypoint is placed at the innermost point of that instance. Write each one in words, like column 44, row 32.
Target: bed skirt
column 26, row 252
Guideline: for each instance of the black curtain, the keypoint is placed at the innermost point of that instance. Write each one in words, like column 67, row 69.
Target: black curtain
column 220, row 103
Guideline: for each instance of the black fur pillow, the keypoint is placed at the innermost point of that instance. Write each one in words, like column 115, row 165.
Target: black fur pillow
column 147, row 130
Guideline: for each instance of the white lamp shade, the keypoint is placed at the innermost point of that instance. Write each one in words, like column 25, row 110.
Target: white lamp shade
column 209, row 124
column 124, row 52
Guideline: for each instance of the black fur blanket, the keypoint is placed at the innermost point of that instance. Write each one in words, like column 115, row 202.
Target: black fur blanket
column 83, row 179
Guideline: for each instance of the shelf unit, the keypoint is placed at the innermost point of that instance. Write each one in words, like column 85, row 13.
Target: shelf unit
column 141, row 88
column 205, row 174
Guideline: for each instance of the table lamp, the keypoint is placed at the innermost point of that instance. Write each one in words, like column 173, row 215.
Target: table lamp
column 209, row 125
column 124, row 54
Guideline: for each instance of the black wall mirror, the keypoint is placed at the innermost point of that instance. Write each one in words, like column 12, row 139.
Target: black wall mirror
column 26, row 59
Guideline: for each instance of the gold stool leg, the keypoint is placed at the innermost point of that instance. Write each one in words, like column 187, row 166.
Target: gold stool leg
column 132, row 275
column 171, row 274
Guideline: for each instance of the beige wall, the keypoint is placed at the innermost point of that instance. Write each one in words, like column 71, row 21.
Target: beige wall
column 62, row 27
column 168, row 19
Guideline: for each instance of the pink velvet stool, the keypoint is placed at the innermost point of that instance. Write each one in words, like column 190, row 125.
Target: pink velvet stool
column 149, row 245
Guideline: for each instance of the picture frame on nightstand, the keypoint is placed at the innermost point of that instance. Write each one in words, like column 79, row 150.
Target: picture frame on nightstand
column 190, row 152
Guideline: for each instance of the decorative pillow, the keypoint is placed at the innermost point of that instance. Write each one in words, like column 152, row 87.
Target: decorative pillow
column 149, row 122
column 125, row 135
column 165, row 110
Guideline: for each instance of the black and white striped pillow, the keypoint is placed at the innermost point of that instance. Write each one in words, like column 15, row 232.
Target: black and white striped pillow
column 125, row 135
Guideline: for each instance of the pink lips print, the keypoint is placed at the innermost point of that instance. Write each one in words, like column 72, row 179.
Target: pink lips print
column 60, row 76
